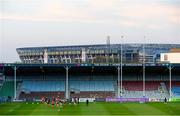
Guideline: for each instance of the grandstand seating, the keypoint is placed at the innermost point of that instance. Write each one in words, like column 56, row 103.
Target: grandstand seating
column 149, row 94
column 138, row 85
column 92, row 86
column 93, row 89
column 92, row 94
column 39, row 95
column 7, row 89
column 154, row 89
column 173, row 84
column 51, row 86
column 37, row 89
column 43, row 86
column 176, row 91
column 1, row 80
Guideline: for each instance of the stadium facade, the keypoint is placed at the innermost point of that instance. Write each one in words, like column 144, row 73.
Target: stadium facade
column 131, row 53
column 92, row 71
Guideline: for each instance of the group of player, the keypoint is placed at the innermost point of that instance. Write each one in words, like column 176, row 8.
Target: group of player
column 55, row 101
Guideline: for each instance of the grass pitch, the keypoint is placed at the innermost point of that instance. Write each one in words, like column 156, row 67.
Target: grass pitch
column 97, row 108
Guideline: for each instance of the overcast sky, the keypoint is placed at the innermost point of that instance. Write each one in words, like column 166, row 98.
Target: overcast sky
column 27, row 23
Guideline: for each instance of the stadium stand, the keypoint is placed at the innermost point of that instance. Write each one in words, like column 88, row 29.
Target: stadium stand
column 39, row 95
column 154, row 90
column 149, row 94
column 86, row 86
column 175, row 88
column 7, row 89
column 92, row 94
column 43, row 86
column 176, row 91
column 92, row 89
column 33, row 83
column 37, row 89
column 1, row 79
column 137, row 85
column 83, row 94
column 50, row 86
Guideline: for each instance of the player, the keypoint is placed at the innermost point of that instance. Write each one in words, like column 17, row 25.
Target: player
column 46, row 100
column 57, row 101
column 87, row 102
column 78, row 100
column 43, row 99
column 165, row 100
column 53, row 101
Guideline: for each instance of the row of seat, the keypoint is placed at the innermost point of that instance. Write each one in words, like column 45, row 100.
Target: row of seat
column 154, row 94
column 7, row 89
column 73, row 85
column 176, row 91
column 39, row 95
column 138, row 85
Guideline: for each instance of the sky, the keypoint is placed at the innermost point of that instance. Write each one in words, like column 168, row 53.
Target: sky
column 31, row 23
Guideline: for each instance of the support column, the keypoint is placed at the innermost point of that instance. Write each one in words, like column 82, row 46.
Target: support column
column 170, row 84
column 144, row 73
column 144, row 87
column 15, row 68
column 121, row 82
column 67, row 83
column 121, row 62
column 118, row 84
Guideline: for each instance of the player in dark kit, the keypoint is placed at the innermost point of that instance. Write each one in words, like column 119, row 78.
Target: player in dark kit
column 165, row 99
column 47, row 101
column 87, row 102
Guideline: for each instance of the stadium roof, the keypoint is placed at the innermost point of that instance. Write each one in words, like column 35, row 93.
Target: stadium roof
column 103, row 68
column 103, row 45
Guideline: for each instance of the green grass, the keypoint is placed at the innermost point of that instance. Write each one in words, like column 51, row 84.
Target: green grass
column 97, row 108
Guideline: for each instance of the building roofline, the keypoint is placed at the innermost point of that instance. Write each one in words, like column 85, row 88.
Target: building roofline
column 68, row 46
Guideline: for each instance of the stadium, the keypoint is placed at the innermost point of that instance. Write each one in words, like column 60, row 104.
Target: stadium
column 109, row 76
